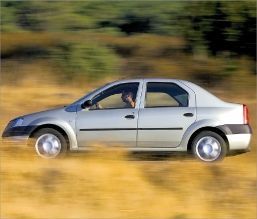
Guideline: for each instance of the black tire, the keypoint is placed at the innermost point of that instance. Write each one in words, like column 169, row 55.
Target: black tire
column 57, row 137
column 210, row 140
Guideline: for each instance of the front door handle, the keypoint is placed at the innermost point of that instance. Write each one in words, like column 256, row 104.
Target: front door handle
column 130, row 117
column 188, row 114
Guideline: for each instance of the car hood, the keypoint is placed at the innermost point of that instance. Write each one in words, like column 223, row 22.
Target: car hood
column 45, row 112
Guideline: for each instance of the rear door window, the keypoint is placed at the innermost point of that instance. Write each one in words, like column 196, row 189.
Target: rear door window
column 162, row 94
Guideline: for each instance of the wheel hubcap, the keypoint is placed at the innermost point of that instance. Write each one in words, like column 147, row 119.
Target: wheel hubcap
column 208, row 148
column 48, row 146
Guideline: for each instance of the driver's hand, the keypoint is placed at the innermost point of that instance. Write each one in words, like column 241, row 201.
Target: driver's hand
column 98, row 106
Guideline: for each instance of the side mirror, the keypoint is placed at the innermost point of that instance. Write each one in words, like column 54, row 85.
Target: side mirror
column 86, row 104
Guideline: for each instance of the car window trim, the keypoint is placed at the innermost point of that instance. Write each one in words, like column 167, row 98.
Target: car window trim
column 111, row 108
column 164, row 106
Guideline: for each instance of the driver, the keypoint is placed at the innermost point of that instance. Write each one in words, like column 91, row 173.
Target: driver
column 129, row 99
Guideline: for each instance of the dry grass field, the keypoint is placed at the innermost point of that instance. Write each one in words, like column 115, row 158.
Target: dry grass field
column 108, row 182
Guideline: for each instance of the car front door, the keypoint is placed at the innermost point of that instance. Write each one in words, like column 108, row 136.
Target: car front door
column 111, row 120
column 167, row 111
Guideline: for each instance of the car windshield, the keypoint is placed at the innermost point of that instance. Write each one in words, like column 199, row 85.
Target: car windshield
column 82, row 98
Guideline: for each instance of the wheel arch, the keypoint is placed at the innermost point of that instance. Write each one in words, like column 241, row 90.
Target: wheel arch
column 56, row 127
column 207, row 128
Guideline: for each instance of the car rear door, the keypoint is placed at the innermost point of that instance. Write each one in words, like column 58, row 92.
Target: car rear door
column 166, row 111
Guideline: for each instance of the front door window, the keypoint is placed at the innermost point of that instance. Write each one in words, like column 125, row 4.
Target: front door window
column 120, row 96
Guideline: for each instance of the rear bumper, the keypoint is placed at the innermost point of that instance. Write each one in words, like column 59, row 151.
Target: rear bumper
column 235, row 129
column 239, row 141
column 237, row 152
column 238, row 135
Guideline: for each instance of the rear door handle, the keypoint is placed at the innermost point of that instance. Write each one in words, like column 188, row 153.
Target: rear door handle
column 188, row 114
column 130, row 117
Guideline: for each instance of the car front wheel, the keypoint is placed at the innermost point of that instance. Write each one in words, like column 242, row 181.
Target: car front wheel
column 49, row 143
column 209, row 146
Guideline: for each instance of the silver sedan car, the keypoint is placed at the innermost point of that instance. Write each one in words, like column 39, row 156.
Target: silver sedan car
column 141, row 115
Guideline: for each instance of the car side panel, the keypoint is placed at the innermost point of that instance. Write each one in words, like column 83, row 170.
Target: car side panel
column 194, row 127
column 226, row 113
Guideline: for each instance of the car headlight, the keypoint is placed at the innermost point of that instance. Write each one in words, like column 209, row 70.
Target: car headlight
column 16, row 122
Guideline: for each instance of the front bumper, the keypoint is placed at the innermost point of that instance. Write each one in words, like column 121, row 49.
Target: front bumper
column 18, row 132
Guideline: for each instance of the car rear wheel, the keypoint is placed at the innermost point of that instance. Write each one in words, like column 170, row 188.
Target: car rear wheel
column 209, row 146
column 49, row 143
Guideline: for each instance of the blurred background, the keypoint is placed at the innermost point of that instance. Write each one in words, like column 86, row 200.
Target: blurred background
column 53, row 52
column 205, row 41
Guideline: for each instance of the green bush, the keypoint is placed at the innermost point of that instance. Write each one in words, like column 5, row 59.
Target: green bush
column 89, row 59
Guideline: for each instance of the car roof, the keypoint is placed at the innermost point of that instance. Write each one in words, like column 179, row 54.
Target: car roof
column 147, row 79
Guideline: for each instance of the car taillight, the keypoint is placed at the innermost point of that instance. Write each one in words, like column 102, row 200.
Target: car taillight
column 246, row 114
